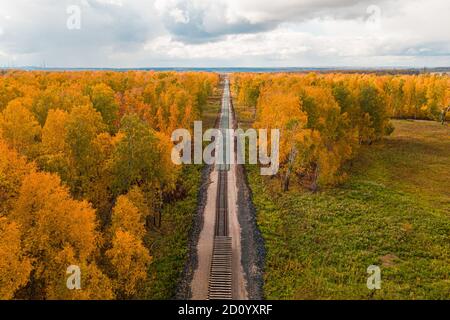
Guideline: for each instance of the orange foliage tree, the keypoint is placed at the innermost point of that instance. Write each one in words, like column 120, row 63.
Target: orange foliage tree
column 84, row 166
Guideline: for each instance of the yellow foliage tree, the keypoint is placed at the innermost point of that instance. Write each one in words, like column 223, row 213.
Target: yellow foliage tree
column 129, row 260
column 50, row 221
column 291, row 123
column 54, row 149
column 19, row 127
column 13, row 168
column 54, row 132
column 15, row 268
column 93, row 285
column 126, row 217
column 137, row 197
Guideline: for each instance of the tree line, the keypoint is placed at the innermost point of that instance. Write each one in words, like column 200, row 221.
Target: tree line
column 84, row 172
column 324, row 118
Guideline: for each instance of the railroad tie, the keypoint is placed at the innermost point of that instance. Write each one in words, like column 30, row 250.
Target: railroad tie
column 220, row 277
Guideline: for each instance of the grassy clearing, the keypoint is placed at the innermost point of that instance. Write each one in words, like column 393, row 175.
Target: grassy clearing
column 394, row 212
column 169, row 245
column 212, row 109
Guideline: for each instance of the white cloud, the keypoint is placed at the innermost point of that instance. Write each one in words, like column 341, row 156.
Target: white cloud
column 232, row 32
column 179, row 15
column 111, row 2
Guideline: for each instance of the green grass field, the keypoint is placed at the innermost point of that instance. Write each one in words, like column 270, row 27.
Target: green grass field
column 393, row 212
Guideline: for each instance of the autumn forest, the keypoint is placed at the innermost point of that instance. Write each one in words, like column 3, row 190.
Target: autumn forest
column 86, row 176
column 84, row 170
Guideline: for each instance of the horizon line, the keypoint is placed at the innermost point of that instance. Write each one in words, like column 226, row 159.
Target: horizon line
column 328, row 68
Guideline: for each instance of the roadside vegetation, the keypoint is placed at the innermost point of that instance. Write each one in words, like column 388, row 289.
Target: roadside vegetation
column 393, row 212
column 381, row 196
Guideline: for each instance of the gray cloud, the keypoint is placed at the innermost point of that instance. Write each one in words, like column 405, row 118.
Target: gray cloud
column 38, row 28
column 193, row 23
column 132, row 33
column 203, row 21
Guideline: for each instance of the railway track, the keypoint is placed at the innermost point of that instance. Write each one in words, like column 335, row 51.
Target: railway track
column 221, row 226
column 220, row 282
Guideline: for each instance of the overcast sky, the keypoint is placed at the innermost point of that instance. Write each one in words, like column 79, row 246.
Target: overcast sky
column 224, row 33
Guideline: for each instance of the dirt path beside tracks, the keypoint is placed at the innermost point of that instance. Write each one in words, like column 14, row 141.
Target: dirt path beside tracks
column 247, row 245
